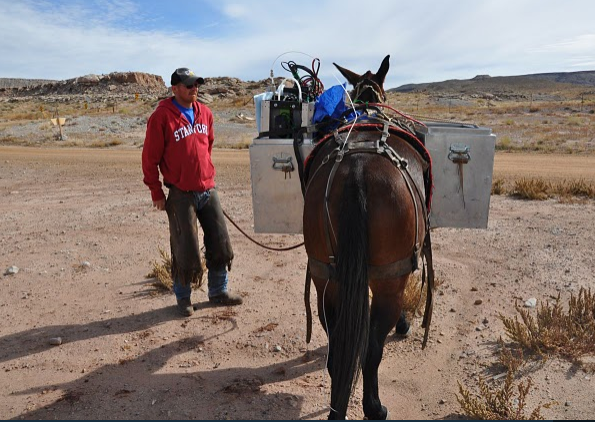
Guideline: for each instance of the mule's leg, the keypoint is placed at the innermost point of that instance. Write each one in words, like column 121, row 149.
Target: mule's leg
column 384, row 313
column 327, row 296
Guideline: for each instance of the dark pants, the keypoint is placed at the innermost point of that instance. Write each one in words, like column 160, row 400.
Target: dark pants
column 183, row 209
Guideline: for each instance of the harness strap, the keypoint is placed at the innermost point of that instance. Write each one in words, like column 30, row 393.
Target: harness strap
column 307, row 302
column 326, row 271
column 427, row 253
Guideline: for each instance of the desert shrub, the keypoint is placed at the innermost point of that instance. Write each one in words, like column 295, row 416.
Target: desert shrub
column 498, row 187
column 575, row 188
column 498, row 401
column 575, row 121
column 553, row 331
column 105, row 144
column 241, row 145
column 512, row 360
column 504, row 143
column 537, row 189
column 10, row 140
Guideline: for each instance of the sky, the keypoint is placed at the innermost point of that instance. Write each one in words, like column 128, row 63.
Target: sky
column 427, row 40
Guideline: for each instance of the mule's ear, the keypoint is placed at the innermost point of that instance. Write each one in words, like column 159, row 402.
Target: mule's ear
column 383, row 70
column 352, row 77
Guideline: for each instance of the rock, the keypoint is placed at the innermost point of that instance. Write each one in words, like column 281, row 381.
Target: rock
column 87, row 79
column 205, row 98
column 478, row 302
column 12, row 270
column 277, row 348
column 531, row 303
column 56, row 341
column 86, row 264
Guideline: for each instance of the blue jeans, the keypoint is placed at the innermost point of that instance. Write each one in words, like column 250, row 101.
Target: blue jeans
column 217, row 272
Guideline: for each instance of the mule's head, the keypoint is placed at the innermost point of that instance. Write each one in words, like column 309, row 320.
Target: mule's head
column 369, row 87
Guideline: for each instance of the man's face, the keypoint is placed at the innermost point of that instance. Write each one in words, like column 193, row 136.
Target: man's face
column 185, row 94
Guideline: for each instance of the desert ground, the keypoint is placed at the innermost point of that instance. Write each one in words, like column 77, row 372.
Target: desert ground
column 79, row 225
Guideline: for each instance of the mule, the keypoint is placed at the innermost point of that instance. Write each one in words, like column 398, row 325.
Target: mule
column 365, row 226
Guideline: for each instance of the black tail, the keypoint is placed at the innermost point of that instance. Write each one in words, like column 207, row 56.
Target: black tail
column 349, row 337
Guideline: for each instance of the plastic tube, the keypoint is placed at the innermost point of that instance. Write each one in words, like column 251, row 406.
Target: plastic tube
column 282, row 84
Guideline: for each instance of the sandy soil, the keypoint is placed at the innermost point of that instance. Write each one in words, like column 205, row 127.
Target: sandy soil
column 125, row 353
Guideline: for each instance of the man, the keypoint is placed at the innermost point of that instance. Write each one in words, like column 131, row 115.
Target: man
column 179, row 142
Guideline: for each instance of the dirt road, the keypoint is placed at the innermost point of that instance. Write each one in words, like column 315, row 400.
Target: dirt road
column 79, row 226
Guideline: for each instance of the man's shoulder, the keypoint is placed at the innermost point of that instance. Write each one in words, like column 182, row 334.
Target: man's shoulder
column 163, row 106
column 203, row 109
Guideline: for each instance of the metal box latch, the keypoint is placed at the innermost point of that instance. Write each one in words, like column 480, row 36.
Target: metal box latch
column 459, row 154
column 284, row 164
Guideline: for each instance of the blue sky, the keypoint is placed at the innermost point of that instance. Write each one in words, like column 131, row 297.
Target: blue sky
column 428, row 41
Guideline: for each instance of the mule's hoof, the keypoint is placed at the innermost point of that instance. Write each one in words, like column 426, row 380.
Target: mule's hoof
column 402, row 333
column 403, row 328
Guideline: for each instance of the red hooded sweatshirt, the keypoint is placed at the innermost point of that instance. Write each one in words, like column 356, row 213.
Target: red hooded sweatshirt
column 182, row 151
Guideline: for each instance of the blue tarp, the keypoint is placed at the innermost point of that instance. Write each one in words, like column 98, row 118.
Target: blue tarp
column 330, row 103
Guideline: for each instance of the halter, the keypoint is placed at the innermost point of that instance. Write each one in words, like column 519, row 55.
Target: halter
column 366, row 83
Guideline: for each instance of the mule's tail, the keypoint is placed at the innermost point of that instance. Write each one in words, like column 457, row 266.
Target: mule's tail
column 349, row 337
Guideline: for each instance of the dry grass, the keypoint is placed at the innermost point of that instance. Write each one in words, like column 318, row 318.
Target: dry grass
column 105, row 144
column 505, row 400
column 564, row 125
column 569, row 334
column 536, row 189
column 161, row 273
column 539, row 189
column 414, row 298
column 240, row 145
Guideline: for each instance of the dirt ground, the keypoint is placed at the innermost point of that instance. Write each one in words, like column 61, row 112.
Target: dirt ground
column 78, row 224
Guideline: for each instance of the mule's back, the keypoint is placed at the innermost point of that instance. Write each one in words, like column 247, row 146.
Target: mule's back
column 391, row 217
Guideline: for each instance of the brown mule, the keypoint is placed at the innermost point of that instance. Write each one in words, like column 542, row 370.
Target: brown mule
column 365, row 222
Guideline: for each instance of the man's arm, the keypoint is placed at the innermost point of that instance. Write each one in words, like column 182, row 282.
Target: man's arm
column 151, row 157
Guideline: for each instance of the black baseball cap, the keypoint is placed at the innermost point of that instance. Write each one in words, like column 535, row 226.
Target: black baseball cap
column 185, row 76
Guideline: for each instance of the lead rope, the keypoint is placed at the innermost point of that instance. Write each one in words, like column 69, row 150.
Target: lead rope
column 270, row 248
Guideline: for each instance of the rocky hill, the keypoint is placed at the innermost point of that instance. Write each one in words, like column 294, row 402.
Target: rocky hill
column 509, row 86
column 22, row 83
column 118, row 85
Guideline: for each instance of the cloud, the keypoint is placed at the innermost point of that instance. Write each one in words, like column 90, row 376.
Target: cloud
column 427, row 40
column 236, row 11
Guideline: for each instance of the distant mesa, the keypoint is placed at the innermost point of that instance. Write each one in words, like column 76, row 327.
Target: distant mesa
column 507, row 86
column 118, row 85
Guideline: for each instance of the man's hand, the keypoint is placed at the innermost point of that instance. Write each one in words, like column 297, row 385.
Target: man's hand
column 160, row 205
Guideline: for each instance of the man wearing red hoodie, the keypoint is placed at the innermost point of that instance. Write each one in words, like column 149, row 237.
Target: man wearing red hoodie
column 179, row 142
